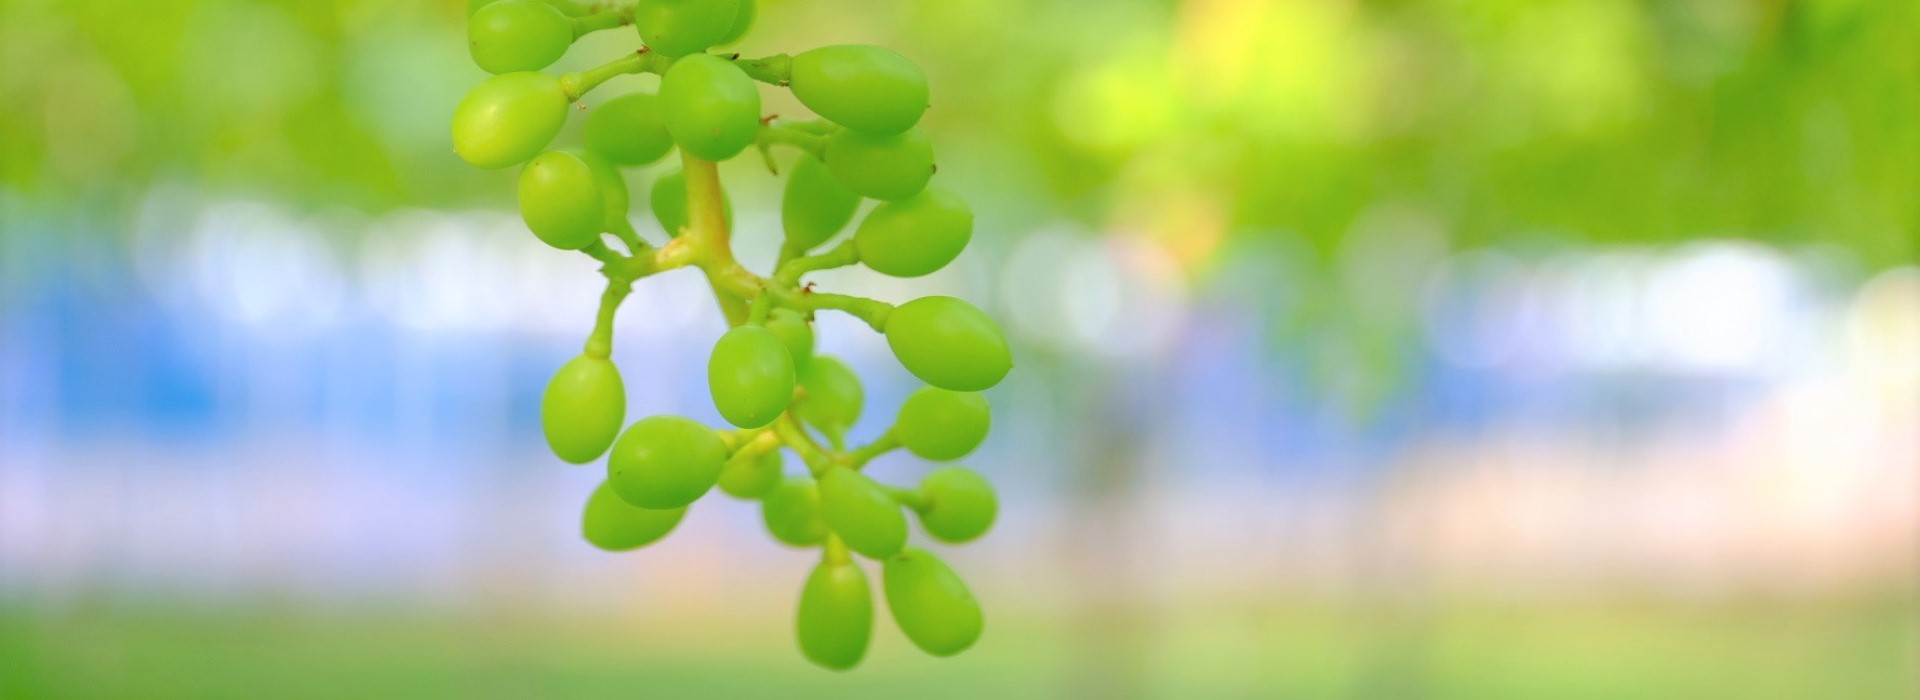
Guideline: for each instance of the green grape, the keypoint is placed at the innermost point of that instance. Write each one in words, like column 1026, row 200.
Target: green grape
column 795, row 333
column 915, row 236
column 583, row 408
column 517, row 35
column 629, row 130
column 613, row 190
column 834, row 396
column 862, row 87
column 959, row 506
column 941, row 425
column 750, row 375
column 508, row 119
column 712, row 107
column 751, row 477
column 681, row 27
column 670, row 203
column 836, row 615
column 475, row 5
column 930, row 603
column 948, row 343
column 881, row 166
column 665, row 462
column 815, row 206
column 615, row 525
column 792, row 512
column 742, row 21
column 861, row 511
column 561, row 201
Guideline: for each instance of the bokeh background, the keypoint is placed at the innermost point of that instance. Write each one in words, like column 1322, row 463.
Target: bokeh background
column 1366, row 349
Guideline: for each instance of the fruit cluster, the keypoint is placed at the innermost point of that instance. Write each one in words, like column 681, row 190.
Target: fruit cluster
column 764, row 376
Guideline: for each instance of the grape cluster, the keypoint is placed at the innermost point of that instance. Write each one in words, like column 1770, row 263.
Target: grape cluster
column 764, row 374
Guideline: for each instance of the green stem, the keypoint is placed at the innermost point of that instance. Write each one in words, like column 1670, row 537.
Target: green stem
column 873, row 312
column 597, row 20
column 771, row 134
column 577, row 84
column 773, row 70
column 792, row 270
column 859, row 456
column 600, row 342
column 911, row 498
column 835, row 552
column 629, row 237
column 787, row 427
column 707, row 226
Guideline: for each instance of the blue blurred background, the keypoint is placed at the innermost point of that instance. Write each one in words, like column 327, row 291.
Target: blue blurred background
column 1369, row 349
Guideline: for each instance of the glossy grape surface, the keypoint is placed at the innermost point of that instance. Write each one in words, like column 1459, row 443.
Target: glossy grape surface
column 681, row 27
column 612, row 524
column 814, row 206
column 750, row 375
column 517, row 35
column 915, row 236
column 629, row 130
column 712, row 107
column 948, row 343
column 881, row 166
column 583, row 408
column 796, row 333
column 508, row 119
column 941, row 425
column 665, row 462
column 930, row 603
column 862, row 87
column 859, row 510
column 960, row 504
column 751, row 477
column 561, row 201
column 792, row 512
column 835, row 620
column 834, row 396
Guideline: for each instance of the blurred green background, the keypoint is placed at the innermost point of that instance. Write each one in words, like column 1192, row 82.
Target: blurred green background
column 1367, row 349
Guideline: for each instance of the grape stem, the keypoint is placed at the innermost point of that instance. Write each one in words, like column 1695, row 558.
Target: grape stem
column 787, row 427
column 792, row 270
column 911, row 498
column 772, row 70
column 598, row 20
column 576, row 85
column 834, row 552
column 858, row 457
column 600, row 342
column 808, row 140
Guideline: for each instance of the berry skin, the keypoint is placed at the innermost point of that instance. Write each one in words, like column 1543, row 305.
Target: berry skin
column 665, row 462
column 930, row 603
column 960, row 505
column 881, row 166
column 834, row 396
column 942, row 425
column 792, row 512
column 629, row 130
column 682, row 27
column 814, row 206
column 517, row 35
column 508, row 119
column 614, row 525
column 751, row 478
column 948, row 343
column 583, row 407
column 669, row 199
column 796, row 333
column 712, row 108
column 561, row 200
column 750, row 375
column 861, row 511
column 861, row 87
column 835, row 619
column 915, row 236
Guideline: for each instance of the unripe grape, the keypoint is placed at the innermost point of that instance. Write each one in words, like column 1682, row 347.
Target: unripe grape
column 960, row 504
column 712, row 107
column 861, row 511
column 475, row 5
column 834, row 396
column 792, row 512
column 915, row 236
column 930, row 603
column 681, row 27
column 940, row 425
column 815, row 206
column 665, row 462
column 948, row 343
column 742, row 21
column 795, row 333
column 750, row 375
column 835, row 620
column 669, row 199
column 629, row 130
column 862, row 87
column 560, row 199
column 508, row 119
column 881, row 166
column 613, row 190
column 615, row 525
column 751, row 477
column 517, row 35
column 583, row 408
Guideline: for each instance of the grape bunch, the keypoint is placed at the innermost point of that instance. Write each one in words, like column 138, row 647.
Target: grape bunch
column 765, row 377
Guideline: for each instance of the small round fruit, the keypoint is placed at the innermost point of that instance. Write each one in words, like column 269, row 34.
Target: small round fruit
column 669, row 198
column 517, row 35
column 561, row 201
column 941, row 425
column 508, row 118
column 948, row 343
column 915, row 236
column 881, row 166
column 751, row 477
column 750, row 375
column 834, row 397
column 742, row 21
column 862, row 87
column 613, row 190
column 712, row 107
column 665, row 462
column 795, row 333
column 836, row 615
column 861, row 511
column 681, row 27
column 629, row 129
column 815, row 206
column 583, row 408
column 960, row 505
column 615, row 525
column 930, row 603
column 792, row 512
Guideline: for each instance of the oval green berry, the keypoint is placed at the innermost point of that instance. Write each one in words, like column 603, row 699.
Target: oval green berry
column 861, row 511
column 629, row 130
column 792, row 512
column 814, row 206
column 665, row 462
column 712, row 107
column 750, row 375
column 942, row 425
column 583, row 408
column 930, row 603
column 614, row 197
column 742, row 21
column 561, row 201
column 881, row 166
column 612, row 524
column 796, row 333
column 681, row 27
column 517, row 35
column 835, row 619
column 834, row 396
column 751, row 477
column 669, row 198
column 862, row 87
column 915, row 236
column 508, row 119
column 948, row 343
column 959, row 504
